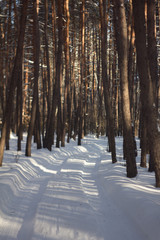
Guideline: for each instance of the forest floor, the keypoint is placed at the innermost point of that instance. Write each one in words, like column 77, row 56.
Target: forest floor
column 76, row 193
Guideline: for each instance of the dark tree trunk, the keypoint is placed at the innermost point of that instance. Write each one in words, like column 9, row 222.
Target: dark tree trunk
column 59, row 71
column 147, row 88
column 67, row 60
column 121, row 39
column 36, row 47
column 143, row 141
column 38, row 126
column 81, row 110
column 13, row 80
column 48, row 78
column 19, row 111
column 153, row 65
column 105, row 80
column 152, row 46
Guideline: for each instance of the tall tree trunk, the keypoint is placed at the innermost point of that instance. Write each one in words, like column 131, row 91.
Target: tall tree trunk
column 36, row 49
column 152, row 45
column 152, row 57
column 7, row 69
column 59, row 70
column 81, row 110
column 99, row 86
column 38, row 126
column 66, row 91
column 48, row 63
column 105, row 80
column 147, row 88
column 49, row 136
column 122, row 46
column 13, row 80
column 19, row 111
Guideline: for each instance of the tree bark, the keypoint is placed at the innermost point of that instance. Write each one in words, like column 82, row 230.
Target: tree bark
column 81, row 110
column 122, row 47
column 147, row 88
column 105, row 80
column 49, row 87
column 153, row 64
column 36, row 47
column 19, row 111
column 59, row 71
column 13, row 80
column 67, row 60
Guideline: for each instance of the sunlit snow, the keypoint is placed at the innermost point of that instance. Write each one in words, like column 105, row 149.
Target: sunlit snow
column 76, row 193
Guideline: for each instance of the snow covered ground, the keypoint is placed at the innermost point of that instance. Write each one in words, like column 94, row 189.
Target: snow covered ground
column 76, row 193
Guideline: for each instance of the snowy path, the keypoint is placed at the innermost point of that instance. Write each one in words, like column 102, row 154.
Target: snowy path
column 72, row 194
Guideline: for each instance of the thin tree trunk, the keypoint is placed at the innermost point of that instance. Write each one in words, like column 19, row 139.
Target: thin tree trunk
column 107, row 100
column 38, row 126
column 7, row 69
column 59, row 70
column 19, row 111
column 48, row 63
column 49, row 137
column 143, row 141
column 81, row 110
column 36, row 47
column 67, row 60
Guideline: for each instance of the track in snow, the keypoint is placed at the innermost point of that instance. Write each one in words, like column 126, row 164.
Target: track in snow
column 60, row 195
